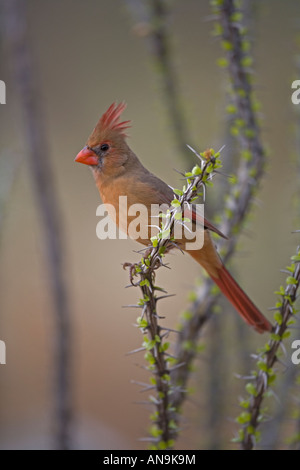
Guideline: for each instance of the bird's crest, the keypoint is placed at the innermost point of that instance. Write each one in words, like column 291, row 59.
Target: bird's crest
column 110, row 123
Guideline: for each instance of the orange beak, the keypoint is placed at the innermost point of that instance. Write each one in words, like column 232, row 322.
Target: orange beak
column 87, row 156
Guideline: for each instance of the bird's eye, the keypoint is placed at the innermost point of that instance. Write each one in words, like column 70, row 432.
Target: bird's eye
column 104, row 147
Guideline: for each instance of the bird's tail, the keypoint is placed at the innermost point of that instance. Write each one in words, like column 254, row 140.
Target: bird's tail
column 239, row 299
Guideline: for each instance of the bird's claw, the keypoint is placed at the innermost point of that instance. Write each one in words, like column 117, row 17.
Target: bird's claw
column 132, row 271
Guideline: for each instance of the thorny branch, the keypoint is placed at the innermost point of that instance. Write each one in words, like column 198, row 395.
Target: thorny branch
column 241, row 192
column 165, row 419
column 266, row 361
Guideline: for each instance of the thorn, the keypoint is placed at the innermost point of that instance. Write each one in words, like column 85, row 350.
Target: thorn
column 222, row 148
column 145, row 385
column 171, row 355
column 164, row 297
column 171, row 330
column 284, row 364
column 149, row 439
column 283, row 348
column 159, row 289
column 177, row 366
column 165, row 265
column 195, row 152
column 136, row 382
column 154, row 400
column 158, row 316
column 245, row 377
column 209, row 18
column 223, row 174
column 180, row 172
column 149, row 387
column 142, row 402
column 135, row 351
column 132, row 306
column 140, row 251
column 265, row 380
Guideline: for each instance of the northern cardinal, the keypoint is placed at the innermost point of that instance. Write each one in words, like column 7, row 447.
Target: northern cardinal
column 118, row 172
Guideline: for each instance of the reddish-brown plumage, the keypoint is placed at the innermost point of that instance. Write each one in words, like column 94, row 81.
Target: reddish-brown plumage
column 110, row 120
column 118, row 172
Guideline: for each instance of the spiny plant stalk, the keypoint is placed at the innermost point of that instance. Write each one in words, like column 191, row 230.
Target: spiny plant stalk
column 229, row 27
column 267, row 357
column 165, row 419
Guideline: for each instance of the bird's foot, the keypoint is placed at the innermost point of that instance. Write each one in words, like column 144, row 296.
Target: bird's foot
column 132, row 271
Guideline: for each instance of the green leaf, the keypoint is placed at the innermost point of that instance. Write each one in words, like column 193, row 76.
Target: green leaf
column 196, row 170
column 178, row 192
column 148, row 356
column 244, row 403
column 291, row 280
column 247, row 61
column 162, row 445
column 162, row 250
column 251, row 389
column 178, row 216
column 222, row 62
column 278, row 318
column 291, row 268
column 175, row 203
column 275, row 337
column 262, row 366
column 172, row 424
column 142, row 322
column 155, row 431
column 281, row 291
column 164, row 234
column 153, row 380
column 236, row 17
column 227, row 45
column 154, row 241
column 244, row 417
column 246, row 154
column 231, row 109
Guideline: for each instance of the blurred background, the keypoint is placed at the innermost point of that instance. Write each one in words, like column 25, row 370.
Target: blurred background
column 82, row 56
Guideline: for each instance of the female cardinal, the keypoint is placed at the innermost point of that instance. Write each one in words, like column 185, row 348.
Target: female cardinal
column 118, row 172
